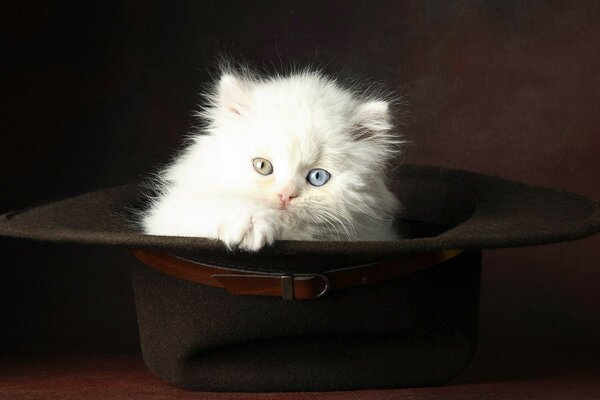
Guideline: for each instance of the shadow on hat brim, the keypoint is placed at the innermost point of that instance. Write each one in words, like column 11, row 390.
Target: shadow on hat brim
column 477, row 212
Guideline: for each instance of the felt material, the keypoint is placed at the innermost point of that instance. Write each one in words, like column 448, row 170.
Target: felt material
column 483, row 212
column 417, row 330
column 414, row 331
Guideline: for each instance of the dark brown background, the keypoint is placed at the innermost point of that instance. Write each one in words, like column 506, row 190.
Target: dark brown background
column 97, row 95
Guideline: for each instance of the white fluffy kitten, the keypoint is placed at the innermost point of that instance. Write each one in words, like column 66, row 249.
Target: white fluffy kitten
column 291, row 157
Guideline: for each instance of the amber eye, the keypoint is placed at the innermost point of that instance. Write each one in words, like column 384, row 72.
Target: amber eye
column 262, row 166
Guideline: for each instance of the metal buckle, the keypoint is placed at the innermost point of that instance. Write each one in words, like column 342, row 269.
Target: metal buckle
column 287, row 285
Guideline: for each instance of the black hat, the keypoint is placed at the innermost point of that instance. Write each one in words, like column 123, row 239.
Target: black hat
column 416, row 329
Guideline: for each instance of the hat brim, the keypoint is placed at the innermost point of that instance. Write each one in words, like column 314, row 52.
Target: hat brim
column 479, row 211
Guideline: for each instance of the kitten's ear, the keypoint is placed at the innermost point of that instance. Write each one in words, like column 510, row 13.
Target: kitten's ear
column 372, row 118
column 233, row 94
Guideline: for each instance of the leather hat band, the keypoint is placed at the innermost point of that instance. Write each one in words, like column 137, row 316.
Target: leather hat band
column 239, row 281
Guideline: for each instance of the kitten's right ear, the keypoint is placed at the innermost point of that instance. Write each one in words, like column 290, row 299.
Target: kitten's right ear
column 233, row 94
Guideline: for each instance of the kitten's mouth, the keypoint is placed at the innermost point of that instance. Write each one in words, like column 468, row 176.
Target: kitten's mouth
column 287, row 211
column 285, row 206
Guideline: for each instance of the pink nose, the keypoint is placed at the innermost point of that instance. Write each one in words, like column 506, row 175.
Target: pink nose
column 286, row 197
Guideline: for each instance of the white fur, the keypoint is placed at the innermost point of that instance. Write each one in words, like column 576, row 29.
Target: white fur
column 298, row 122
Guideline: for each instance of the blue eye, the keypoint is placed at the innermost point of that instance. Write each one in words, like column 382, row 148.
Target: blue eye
column 318, row 177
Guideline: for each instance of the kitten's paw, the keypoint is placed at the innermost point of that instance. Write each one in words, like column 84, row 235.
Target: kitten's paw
column 250, row 233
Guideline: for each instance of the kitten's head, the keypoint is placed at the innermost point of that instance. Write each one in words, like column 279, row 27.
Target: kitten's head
column 304, row 145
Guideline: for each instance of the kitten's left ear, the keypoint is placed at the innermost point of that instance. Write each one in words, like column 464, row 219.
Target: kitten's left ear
column 233, row 94
column 372, row 118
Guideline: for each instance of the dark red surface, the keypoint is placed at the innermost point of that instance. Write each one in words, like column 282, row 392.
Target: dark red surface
column 125, row 377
